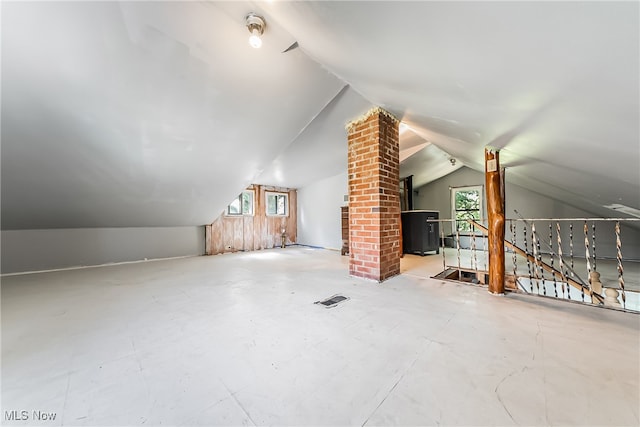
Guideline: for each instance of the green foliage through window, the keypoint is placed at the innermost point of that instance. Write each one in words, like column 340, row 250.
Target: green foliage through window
column 467, row 204
column 277, row 204
column 247, row 203
column 241, row 205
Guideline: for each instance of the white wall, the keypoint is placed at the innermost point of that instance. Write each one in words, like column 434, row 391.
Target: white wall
column 319, row 212
column 33, row 250
column 437, row 196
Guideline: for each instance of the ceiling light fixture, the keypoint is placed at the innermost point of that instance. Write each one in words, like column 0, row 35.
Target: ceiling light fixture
column 256, row 25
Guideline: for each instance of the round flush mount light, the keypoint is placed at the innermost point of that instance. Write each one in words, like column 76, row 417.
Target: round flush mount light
column 256, row 25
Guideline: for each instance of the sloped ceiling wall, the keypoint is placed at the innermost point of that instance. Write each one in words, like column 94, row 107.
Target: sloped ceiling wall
column 142, row 113
column 159, row 113
column 555, row 85
column 321, row 149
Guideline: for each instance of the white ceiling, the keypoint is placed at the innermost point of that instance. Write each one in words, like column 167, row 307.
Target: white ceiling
column 142, row 114
column 320, row 150
column 159, row 113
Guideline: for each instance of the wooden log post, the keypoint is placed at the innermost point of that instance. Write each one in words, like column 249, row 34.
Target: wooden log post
column 495, row 211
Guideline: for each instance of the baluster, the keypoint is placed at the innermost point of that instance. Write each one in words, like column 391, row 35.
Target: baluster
column 526, row 250
column 620, row 269
column 484, row 252
column 444, row 256
column 458, row 247
column 539, row 262
column 565, row 284
column 474, row 258
column 571, row 254
column 536, row 248
column 586, row 254
column 596, row 284
column 571, row 247
column 551, row 256
column 593, row 240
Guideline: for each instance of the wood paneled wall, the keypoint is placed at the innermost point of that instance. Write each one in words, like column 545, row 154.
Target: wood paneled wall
column 250, row 233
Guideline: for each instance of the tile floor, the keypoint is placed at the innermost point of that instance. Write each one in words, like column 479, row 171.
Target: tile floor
column 236, row 340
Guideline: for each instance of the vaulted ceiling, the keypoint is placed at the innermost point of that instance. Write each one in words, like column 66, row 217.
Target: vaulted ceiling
column 159, row 113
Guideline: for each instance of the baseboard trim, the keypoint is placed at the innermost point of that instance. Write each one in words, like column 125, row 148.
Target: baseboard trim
column 82, row 267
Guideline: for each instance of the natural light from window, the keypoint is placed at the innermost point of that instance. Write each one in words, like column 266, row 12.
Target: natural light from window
column 241, row 205
column 277, row 204
column 466, row 203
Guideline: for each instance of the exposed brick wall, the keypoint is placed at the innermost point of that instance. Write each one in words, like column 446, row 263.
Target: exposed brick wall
column 374, row 199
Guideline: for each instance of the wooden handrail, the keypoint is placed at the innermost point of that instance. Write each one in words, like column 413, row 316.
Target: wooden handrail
column 544, row 265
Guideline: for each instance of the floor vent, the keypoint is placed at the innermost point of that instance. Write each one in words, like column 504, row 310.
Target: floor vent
column 332, row 301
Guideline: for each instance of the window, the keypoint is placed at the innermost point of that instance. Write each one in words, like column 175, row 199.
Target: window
column 241, row 205
column 277, row 204
column 466, row 203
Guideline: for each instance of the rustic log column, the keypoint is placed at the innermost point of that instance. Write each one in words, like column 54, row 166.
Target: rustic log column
column 503, row 172
column 374, row 196
column 495, row 210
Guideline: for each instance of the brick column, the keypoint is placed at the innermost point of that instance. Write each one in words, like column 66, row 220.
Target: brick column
column 374, row 199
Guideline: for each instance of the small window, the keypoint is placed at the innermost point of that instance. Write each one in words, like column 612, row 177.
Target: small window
column 241, row 205
column 466, row 203
column 277, row 204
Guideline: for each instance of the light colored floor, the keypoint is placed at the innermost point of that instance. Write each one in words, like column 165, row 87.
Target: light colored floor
column 236, row 340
